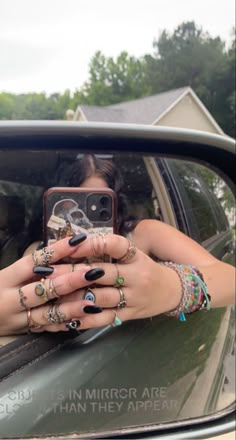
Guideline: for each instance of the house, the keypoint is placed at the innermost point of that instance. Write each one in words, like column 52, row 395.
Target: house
column 175, row 108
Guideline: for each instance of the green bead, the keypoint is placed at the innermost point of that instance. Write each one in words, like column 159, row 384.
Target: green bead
column 120, row 280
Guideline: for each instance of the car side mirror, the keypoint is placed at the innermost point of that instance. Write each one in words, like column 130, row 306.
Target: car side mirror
column 149, row 377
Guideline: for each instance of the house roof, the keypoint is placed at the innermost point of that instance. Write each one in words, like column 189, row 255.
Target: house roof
column 148, row 110
column 139, row 111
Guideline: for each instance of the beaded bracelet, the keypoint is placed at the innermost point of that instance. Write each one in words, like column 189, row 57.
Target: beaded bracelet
column 195, row 294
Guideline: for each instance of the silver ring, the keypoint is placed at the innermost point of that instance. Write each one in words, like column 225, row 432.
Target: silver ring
column 73, row 324
column 117, row 321
column 122, row 302
column 43, row 256
column 54, row 316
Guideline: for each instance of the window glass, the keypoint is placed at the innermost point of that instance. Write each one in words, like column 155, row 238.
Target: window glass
column 199, row 187
column 19, row 205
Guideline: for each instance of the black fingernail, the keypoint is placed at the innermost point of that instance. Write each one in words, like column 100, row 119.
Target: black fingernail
column 43, row 270
column 94, row 274
column 92, row 309
column 77, row 239
column 73, row 324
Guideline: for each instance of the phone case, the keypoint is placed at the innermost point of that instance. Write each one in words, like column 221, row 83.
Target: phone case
column 69, row 211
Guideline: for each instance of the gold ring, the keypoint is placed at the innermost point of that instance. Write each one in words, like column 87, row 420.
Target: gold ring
column 94, row 248
column 41, row 291
column 31, row 322
column 122, row 302
column 104, row 243
column 130, row 253
column 52, row 291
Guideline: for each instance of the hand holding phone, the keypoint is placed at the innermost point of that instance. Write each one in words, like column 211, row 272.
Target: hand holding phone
column 70, row 211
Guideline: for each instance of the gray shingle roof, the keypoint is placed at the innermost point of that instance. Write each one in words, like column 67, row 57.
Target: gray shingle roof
column 139, row 111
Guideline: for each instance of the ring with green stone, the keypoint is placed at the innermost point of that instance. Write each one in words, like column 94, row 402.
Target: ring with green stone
column 117, row 321
column 119, row 280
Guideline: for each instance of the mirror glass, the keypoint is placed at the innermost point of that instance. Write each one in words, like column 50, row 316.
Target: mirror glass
column 147, row 372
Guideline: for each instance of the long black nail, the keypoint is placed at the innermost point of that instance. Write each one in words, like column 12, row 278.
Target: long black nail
column 92, row 309
column 73, row 324
column 43, row 270
column 77, row 239
column 94, row 274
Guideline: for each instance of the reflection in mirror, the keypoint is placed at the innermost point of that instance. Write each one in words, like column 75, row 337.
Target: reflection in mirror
column 148, row 371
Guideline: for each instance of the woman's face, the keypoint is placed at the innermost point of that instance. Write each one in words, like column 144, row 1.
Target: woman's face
column 94, row 182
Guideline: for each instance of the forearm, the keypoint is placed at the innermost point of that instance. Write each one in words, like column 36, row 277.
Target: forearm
column 220, row 281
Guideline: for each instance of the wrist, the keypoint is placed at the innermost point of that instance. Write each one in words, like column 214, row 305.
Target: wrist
column 194, row 296
column 171, row 288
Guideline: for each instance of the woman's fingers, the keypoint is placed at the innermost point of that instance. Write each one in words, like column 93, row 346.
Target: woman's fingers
column 50, row 314
column 105, row 297
column 40, row 292
column 113, row 272
column 87, row 320
column 116, row 246
column 22, row 270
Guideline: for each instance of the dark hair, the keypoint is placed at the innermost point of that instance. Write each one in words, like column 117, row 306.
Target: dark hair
column 90, row 165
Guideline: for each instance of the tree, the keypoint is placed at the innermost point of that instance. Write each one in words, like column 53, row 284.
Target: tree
column 6, row 105
column 191, row 57
column 112, row 81
column 188, row 56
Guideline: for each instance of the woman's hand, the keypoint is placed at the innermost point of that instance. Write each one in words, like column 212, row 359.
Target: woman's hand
column 28, row 301
column 146, row 288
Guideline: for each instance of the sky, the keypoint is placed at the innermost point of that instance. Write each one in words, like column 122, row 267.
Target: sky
column 46, row 45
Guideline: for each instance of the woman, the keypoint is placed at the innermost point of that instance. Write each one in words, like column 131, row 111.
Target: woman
column 135, row 287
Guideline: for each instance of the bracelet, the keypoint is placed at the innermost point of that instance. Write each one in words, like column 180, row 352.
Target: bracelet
column 195, row 295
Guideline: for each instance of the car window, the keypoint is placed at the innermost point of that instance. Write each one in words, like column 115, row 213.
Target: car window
column 205, row 213
column 19, row 204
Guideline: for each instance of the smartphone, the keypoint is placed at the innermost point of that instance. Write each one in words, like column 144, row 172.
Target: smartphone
column 70, row 211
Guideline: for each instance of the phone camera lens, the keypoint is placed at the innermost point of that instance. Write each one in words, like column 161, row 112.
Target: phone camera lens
column 104, row 200
column 105, row 214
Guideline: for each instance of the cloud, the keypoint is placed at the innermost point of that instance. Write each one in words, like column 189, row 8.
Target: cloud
column 47, row 45
column 20, row 59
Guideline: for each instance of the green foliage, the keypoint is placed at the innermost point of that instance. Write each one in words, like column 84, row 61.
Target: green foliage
column 34, row 106
column 191, row 57
column 112, row 81
column 188, row 56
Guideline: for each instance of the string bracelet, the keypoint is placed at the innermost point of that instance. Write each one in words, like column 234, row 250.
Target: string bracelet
column 195, row 295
